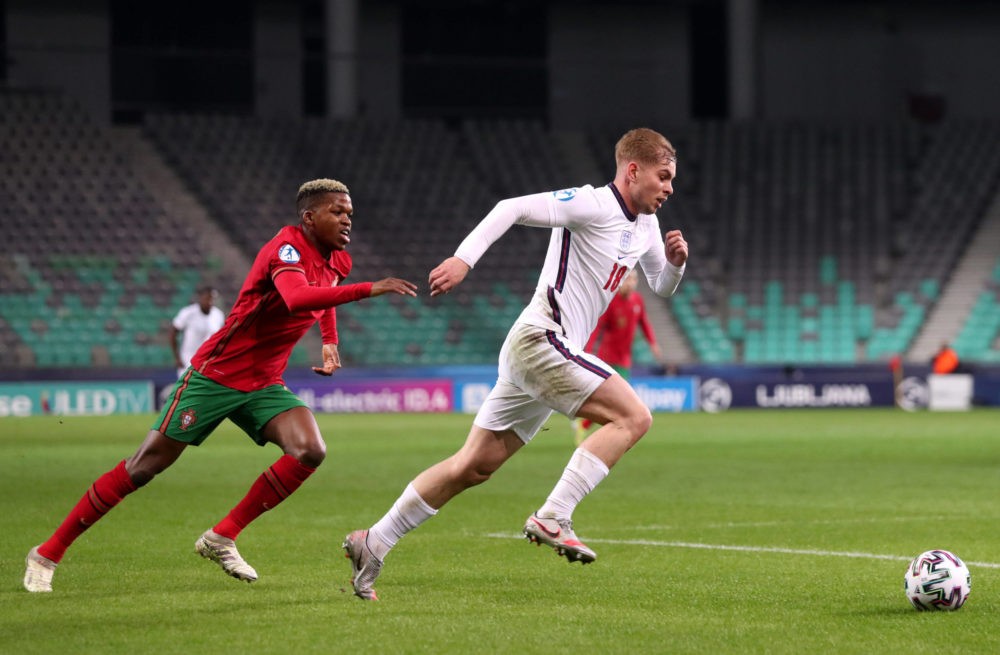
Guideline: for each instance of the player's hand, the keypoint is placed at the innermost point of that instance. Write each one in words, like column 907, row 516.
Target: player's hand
column 677, row 248
column 393, row 285
column 331, row 360
column 448, row 275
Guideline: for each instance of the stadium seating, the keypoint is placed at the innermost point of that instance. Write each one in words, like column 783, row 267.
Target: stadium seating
column 979, row 339
column 417, row 188
column 820, row 243
column 812, row 243
column 94, row 267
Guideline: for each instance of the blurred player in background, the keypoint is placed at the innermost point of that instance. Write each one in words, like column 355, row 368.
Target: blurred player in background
column 615, row 333
column 294, row 282
column 945, row 360
column 194, row 323
column 598, row 236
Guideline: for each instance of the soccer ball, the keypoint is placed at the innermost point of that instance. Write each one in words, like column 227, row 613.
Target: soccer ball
column 937, row 580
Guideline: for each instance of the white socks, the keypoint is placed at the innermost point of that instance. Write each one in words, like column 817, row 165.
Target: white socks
column 584, row 472
column 406, row 513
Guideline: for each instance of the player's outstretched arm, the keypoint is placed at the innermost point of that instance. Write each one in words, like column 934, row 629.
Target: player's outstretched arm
column 447, row 275
column 657, row 353
column 174, row 333
column 393, row 285
column 299, row 296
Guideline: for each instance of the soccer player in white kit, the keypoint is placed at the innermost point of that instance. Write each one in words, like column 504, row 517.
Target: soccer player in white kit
column 196, row 323
column 598, row 236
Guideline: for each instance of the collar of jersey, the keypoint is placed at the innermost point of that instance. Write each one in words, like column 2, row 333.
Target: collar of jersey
column 621, row 203
column 307, row 243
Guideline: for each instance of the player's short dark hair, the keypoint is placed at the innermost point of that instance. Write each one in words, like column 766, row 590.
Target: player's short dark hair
column 645, row 146
column 318, row 187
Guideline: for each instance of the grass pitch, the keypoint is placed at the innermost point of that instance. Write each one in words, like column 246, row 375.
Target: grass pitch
column 743, row 532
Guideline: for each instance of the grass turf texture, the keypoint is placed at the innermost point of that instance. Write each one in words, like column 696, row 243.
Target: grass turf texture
column 797, row 489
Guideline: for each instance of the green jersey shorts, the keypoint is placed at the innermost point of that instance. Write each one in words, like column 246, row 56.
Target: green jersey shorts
column 197, row 405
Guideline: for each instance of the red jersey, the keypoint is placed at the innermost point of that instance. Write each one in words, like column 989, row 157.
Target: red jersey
column 946, row 361
column 616, row 329
column 252, row 348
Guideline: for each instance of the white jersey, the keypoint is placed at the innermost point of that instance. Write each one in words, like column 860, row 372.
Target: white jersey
column 197, row 327
column 595, row 242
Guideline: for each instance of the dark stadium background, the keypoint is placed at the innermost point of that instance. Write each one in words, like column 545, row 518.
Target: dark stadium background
column 837, row 182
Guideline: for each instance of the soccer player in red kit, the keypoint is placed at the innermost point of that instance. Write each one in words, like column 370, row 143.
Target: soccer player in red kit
column 294, row 282
column 616, row 328
column 615, row 332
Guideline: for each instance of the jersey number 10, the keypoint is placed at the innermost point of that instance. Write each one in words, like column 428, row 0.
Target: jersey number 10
column 617, row 273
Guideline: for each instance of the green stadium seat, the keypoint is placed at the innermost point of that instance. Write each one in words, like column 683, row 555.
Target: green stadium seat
column 865, row 321
column 737, row 328
column 828, row 270
column 929, row 288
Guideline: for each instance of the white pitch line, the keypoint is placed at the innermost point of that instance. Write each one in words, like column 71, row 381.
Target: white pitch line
column 770, row 524
column 750, row 549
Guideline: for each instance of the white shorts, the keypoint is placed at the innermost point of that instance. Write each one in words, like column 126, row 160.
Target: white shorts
column 540, row 371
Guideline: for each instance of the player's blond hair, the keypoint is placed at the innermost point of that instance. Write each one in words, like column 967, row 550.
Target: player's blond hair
column 645, row 146
column 314, row 188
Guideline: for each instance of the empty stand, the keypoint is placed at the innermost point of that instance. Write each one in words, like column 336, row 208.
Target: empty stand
column 417, row 187
column 810, row 243
column 821, row 243
column 94, row 266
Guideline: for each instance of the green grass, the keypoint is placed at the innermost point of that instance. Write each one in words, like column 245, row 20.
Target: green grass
column 797, row 490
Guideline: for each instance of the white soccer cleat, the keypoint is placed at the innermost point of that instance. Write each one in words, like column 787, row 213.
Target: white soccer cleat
column 223, row 552
column 365, row 567
column 559, row 534
column 38, row 572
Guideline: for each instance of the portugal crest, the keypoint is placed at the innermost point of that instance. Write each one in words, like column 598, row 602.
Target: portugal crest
column 188, row 418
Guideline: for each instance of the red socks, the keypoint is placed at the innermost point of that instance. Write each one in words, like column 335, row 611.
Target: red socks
column 106, row 492
column 273, row 486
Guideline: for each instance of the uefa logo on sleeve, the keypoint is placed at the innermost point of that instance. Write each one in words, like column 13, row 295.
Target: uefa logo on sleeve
column 288, row 254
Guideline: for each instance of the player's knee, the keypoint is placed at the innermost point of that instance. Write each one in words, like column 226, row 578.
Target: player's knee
column 645, row 420
column 309, row 452
column 638, row 422
column 139, row 474
column 477, row 475
column 312, row 454
column 469, row 474
column 145, row 465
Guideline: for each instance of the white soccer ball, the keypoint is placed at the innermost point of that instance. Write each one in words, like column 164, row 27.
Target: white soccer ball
column 937, row 580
